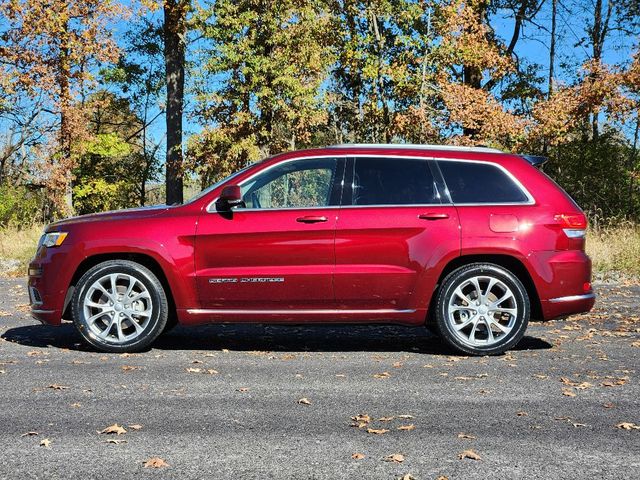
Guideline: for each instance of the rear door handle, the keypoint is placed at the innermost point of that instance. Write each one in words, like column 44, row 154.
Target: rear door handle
column 433, row 216
column 311, row 219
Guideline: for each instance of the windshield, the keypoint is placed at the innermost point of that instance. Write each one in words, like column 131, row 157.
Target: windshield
column 217, row 184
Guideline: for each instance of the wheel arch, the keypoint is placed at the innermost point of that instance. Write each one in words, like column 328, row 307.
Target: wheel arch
column 510, row 263
column 145, row 260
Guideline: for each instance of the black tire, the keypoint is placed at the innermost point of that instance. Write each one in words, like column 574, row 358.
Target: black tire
column 157, row 306
column 172, row 322
column 462, row 277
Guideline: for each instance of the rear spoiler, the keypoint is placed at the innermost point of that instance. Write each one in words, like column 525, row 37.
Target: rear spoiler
column 535, row 160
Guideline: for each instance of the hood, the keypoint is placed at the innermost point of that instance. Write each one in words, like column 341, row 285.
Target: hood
column 129, row 213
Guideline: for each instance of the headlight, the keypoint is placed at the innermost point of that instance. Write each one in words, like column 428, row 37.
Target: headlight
column 53, row 239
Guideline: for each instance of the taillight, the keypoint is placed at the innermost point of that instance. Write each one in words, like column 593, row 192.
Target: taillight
column 574, row 225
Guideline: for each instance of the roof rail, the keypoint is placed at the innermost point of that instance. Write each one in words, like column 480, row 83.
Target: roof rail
column 417, row 147
column 535, row 160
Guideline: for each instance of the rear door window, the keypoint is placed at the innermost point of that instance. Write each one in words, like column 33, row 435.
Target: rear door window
column 393, row 181
column 470, row 182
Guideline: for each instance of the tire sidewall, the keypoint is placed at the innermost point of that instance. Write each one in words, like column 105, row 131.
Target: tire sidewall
column 454, row 279
column 158, row 318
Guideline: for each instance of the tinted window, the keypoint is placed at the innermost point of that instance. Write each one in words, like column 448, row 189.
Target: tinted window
column 302, row 183
column 479, row 183
column 393, row 181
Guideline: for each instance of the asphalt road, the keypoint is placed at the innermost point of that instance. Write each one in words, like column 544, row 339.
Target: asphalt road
column 547, row 410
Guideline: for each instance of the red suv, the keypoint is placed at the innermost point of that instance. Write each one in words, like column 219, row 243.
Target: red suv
column 471, row 241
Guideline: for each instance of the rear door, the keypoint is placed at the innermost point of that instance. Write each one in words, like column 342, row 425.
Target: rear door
column 395, row 229
column 277, row 252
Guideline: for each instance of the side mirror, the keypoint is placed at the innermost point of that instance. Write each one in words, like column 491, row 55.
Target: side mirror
column 230, row 197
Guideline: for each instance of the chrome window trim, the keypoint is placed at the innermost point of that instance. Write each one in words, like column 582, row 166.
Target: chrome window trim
column 530, row 201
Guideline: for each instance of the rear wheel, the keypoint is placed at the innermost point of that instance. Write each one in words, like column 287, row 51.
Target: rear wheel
column 119, row 306
column 482, row 309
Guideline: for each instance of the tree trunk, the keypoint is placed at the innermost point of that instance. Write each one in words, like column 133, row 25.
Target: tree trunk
column 382, row 98
column 471, row 74
column 174, row 29
column 64, row 74
column 552, row 47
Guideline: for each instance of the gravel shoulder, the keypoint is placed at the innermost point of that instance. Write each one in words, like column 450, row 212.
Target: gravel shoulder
column 223, row 401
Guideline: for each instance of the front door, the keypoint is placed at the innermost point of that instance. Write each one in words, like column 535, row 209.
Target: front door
column 395, row 226
column 277, row 251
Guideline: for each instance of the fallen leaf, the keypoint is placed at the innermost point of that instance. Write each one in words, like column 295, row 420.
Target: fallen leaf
column 404, row 417
column 155, row 462
column 361, row 418
column 211, row 371
column 385, row 419
column 114, row 441
column 76, row 405
column 628, row 426
column 45, row 443
column 304, row 401
column 408, row 476
column 397, row 365
column 29, row 434
column 568, row 393
column 395, row 458
column 111, row 429
column 466, row 436
column 193, row 370
column 357, row 456
column 55, row 386
column 135, row 427
column 407, row 428
column 382, row 375
column 576, row 425
column 128, row 368
column 243, row 389
column 608, row 405
column 375, row 431
column 522, row 414
column 469, row 454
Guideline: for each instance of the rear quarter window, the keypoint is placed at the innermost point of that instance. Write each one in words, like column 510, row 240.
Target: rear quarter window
column 470, row 182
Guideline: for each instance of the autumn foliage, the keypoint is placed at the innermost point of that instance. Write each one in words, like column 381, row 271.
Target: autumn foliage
column 264, row 77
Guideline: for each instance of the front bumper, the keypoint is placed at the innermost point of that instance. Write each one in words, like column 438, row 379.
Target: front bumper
column 50, row 274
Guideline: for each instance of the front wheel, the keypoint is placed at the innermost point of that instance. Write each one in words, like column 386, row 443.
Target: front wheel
column 483, row 309
column 119, row 306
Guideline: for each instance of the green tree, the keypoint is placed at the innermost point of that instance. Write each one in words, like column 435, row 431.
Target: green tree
column 268, row 59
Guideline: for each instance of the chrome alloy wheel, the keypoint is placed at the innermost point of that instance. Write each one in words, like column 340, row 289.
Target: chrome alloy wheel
column 482, row 311
column 117, row 308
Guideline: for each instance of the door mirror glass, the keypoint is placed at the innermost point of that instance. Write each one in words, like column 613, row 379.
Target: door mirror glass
column 230, row 197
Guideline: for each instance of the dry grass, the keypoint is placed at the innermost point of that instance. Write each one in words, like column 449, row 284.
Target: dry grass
column 613, row 248
column 17, row 246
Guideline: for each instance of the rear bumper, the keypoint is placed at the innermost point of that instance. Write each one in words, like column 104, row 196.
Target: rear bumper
column 563, row 282
column 572, row 304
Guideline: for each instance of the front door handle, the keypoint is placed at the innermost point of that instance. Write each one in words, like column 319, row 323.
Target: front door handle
column 433, row 216
column 311, row 219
